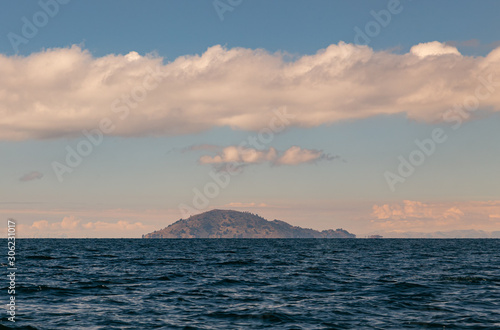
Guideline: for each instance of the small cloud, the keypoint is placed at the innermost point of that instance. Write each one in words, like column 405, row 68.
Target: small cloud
column 244, row 156
column 424, row 217
column 71, row 226
column 235, row 154
column 434, row 48
column 296, row 155
column 34, row 175
column 453, row 212
column 409, row 209
column 40, row 225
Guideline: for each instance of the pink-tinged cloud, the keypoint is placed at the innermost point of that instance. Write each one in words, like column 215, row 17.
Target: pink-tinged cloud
column 419, row 216
column 31, row 176
column 235, row 154
column 60, row 92
column 296, row 155
column 71, row 226
column 293, row 156
column 434, row 48
column 415, row 209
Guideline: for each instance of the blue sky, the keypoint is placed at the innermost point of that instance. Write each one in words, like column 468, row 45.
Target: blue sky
column 175, row 28
column 136, row 179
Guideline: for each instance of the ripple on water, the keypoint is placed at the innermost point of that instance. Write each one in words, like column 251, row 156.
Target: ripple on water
column 252, row 284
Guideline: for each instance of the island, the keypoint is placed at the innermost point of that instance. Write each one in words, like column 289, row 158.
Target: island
column 236, row 224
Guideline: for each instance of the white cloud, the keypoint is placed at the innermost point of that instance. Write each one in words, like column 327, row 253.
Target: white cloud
column 71, row 226
column 434, row 48
column 296, row 155
column 60, row 92
column 416, row 215
column 409, row 209
column 293, row 156
column 235, row 154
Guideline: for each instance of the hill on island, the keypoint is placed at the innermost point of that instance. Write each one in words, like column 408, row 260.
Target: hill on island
column 235, row 224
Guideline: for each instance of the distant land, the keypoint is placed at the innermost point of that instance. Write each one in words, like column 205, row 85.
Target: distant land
column 471, row 233
column 235, row 224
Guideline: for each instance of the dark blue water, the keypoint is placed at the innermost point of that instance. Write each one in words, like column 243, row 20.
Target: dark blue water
column 252, row 284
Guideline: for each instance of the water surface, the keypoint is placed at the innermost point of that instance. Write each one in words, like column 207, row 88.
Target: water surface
column 257, row 283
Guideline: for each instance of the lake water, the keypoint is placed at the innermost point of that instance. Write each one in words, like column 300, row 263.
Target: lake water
column 256, row 283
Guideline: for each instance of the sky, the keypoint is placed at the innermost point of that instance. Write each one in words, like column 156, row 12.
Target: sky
column 119, row 118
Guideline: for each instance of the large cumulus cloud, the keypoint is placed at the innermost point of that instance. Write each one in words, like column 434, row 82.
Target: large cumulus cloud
column 60, row 92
